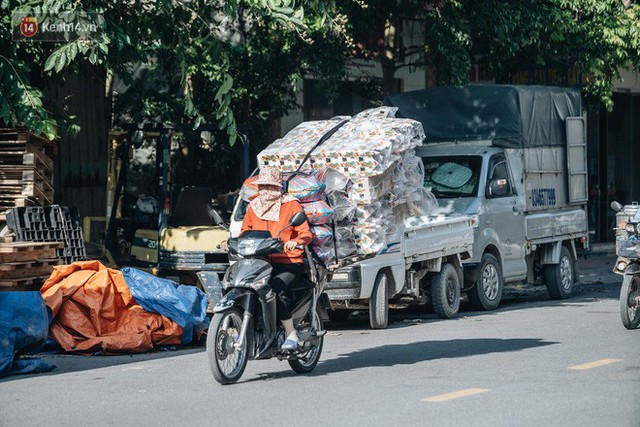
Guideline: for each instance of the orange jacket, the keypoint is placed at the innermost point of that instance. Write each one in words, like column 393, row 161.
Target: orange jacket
column 301, row 234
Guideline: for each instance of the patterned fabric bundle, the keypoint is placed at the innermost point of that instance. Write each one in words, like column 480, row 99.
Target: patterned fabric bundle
column 318, row 213
column 305, row 188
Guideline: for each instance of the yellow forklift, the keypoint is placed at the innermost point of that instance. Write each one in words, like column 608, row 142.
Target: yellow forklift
column 171, row 232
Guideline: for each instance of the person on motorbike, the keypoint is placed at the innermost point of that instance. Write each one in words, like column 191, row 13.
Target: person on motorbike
column 271, row 211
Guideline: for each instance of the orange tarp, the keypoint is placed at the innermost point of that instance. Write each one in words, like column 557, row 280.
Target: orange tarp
column 93, row 311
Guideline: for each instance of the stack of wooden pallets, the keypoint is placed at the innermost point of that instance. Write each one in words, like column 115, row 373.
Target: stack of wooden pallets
column 26, row 170
column 26, row 265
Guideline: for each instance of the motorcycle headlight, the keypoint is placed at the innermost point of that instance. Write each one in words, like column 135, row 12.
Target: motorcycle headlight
column 248, row 247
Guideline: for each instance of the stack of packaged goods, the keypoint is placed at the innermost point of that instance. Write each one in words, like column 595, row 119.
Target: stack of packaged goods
column 372, row 178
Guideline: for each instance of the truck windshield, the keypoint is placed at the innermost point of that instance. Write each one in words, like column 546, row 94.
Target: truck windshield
column 241, row 211
column 452, row 176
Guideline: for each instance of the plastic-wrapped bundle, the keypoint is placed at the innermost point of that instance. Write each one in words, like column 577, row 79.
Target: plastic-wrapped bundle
column 361, row 148
column 287, row 153
column 423, row 203
column 367, row 213
column 628, row 247
column 369, row 239
column 305, row 188
column 318, row 213
column 345, row 244
column 369, row 190
column 325, row 253
column 377, row 113
column 343, row 208
column 322, row 235
column 333, row 179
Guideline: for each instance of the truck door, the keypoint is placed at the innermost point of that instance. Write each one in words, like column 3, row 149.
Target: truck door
column 504, row 214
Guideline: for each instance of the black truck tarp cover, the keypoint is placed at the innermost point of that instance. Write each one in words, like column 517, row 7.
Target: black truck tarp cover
column 509, row 115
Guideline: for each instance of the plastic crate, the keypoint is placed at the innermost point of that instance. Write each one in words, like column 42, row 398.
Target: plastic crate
column 50, row 224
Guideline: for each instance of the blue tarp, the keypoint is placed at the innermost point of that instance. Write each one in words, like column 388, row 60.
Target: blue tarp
column 185, row 305
column 24, row 326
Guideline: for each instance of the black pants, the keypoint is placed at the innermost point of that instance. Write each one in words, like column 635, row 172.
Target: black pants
column 283, row 276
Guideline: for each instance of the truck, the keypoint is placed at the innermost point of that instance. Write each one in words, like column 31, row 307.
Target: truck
column 514, row 159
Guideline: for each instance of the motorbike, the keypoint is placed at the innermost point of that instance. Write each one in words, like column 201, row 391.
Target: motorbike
column 628, row 262
column 244, row 324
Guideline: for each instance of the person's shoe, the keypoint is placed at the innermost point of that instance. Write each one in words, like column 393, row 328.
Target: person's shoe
column 289, row 345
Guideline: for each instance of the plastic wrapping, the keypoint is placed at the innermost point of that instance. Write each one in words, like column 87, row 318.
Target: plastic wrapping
column 343, row 208
column 322, row 235
column 318, row 213
column 369, row 239
column 364, row 147
column 333, row 179
column 325, row 253
column 305, row 188
column 628, row 247
column 377, row 113
column 345, row 243
column 369, row 190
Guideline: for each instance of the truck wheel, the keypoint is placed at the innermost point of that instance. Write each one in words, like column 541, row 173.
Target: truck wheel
column 445, row 292
column 487, row 291
column 379, row 303
column 559, row 277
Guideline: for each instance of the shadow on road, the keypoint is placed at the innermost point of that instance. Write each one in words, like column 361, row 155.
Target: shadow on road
column 68, row 363
column 412, row 353
column 516, row 297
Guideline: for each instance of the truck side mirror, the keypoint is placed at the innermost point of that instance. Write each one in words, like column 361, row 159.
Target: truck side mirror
column 499, row 188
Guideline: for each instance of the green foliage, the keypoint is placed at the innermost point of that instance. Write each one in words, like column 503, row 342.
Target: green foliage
column 201, row 39
column 598, row 37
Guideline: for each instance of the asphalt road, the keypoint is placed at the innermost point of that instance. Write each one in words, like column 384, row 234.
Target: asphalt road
column 533, row 362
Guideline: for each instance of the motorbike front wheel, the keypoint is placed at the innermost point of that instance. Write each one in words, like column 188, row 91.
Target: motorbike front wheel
column 308, row 361
column 226, row 359
column 629, row 307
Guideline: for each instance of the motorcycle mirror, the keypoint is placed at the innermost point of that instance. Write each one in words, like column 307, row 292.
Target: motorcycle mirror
column 616, row 206
column 298, row 219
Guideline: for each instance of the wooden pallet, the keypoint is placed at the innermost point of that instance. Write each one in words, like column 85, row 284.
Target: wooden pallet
column 31, row 158
column 27, row 251
column 23, row 270
column 28, row 246
column 25, row 284
column 22, row 135
column 25, row 172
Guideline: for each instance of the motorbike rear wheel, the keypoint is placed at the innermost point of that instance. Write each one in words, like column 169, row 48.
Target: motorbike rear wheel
column 226, row 360
column 629, row 307
column 309, row 360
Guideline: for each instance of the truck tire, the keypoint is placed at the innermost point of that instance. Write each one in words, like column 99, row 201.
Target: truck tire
column 445, row 292
column 486, row 293
column 559, row 277
column 379, row 303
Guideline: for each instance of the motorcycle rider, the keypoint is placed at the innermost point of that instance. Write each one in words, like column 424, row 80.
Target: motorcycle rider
column 271, row 210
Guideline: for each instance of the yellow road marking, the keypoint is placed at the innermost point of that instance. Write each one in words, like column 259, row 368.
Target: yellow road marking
column 595, row 364
column 456, row 395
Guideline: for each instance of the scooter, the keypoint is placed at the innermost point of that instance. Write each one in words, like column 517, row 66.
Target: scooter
column 244, row 324
column 628, row 262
